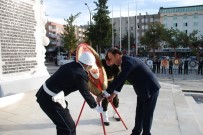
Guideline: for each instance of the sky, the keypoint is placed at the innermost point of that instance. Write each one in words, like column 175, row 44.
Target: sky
column 58, row 10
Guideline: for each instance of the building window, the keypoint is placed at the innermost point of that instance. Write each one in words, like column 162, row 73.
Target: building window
column 165, row 46
column 151, row 19
column 185, row 31
column 185, row 24
column 138, row 20
column 131, row 28
column 175, row 24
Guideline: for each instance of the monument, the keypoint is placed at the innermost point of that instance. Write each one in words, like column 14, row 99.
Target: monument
column 22, row 41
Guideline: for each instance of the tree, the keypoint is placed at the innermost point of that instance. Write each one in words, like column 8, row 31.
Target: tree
column 69, row 37
column 100, row 31
column 195, row 42
column 175, row 38
column 152, row 38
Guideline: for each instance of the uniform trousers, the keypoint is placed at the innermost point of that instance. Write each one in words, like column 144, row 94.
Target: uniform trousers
column 61, row 117
column 144, row 114
column 200, row 70
column 105, row 103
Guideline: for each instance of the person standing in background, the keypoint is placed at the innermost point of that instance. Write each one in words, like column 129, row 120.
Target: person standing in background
column 200, row 64
column 154, row 65
column 180, row 67
column 170, row 66
column 111, row 71
column 164, row 64
column 186, row 66
column 158, row 65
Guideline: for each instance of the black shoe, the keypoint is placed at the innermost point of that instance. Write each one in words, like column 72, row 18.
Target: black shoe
column 106, row 123
column 117, row 119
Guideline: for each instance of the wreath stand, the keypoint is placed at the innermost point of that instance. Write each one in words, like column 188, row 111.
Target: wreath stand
column 102, row 121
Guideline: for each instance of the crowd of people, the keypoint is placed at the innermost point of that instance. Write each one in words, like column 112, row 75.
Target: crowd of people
column 177, row 66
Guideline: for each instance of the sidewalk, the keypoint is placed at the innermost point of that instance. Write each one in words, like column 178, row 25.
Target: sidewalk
column 175, row 114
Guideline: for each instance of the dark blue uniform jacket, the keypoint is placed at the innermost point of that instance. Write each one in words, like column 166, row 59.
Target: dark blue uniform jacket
column 69, row 78
column 138, row 74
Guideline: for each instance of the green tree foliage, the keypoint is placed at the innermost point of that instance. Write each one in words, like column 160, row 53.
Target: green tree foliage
column 195, row 42
column 100, row 31
column 175, row 38
column 69, row 37
column 152, row 38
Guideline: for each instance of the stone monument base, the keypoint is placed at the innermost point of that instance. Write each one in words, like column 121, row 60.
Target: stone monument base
column 8, row 88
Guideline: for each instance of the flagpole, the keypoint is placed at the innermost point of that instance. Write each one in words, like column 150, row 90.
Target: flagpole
column 136, row 44
column 120, row 27
column 128, row 31
column 112, row 29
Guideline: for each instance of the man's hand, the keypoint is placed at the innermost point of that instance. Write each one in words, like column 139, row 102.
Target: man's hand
column 99, row 109
column 99, row 98
column 110, row 98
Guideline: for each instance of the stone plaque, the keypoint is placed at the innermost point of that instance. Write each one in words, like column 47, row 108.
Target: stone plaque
column 22, row 41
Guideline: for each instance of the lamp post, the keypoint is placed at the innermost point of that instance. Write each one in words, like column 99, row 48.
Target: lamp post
column 89, row 12
column 90, row 20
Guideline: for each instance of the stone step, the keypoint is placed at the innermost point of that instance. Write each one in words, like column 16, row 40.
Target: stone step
column 185, row 114
column 197, row 111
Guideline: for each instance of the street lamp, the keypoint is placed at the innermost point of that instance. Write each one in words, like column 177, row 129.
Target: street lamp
column 90, row 20
column 89, row 12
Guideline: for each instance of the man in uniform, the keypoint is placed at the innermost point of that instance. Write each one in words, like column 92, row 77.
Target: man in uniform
column 180, row 67
column 186, row 66
column 170, row 70
column 158, row 65
column 145, row 84
column 68, row 78
column 200, row 65
column 112, row 72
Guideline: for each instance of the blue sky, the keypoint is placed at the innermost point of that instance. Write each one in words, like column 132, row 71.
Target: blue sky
column 57, row 10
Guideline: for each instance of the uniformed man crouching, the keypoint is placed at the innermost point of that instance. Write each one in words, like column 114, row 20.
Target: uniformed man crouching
column 68, row 78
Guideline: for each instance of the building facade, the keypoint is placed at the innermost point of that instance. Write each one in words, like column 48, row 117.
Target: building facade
column 121, row 28
column 79, row 32
column 142, row 25
column 54, row 33
column 187, row 19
